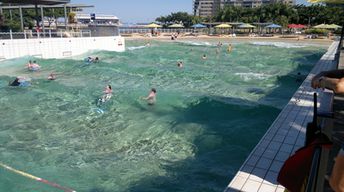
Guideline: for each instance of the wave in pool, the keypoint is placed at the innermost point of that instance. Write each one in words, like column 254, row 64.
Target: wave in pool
column 280, row 44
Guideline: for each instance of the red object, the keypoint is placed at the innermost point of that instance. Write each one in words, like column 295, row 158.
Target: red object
column 296, row 168
column 296, row 26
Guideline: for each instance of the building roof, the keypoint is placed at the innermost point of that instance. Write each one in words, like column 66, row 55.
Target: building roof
column 38, row 2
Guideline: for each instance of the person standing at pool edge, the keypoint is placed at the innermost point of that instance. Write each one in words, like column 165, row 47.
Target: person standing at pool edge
column 151, row 98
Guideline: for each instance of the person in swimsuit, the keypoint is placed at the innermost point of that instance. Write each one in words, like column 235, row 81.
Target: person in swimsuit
column 151, row 98
column 107, row 93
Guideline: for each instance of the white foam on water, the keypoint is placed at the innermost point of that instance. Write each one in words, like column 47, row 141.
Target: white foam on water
column 134, row 48
column 279, row 44
column 251, row 76
column 197, row 43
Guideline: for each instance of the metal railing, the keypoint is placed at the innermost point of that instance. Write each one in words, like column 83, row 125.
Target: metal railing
column 159, row 30
column 46, row 34
column 315, row 181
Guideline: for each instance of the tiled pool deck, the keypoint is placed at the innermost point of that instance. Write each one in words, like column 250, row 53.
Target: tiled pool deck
column 287, row 134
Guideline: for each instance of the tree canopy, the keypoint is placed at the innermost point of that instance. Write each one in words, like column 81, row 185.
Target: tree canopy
column 282, row 14
column 179, row 17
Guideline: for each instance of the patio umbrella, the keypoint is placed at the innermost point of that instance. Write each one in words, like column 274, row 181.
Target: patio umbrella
column 273, row 26
column 198, row 25
column 323, row 26
column 153, row 25
column 335, row 26
column 176, row 26
column 223, row 26
column 246, row 26
column 296, row 26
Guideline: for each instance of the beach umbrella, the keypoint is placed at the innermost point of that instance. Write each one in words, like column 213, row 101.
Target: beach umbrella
column 153, row 25
column 323, row 26
column 299, row 26
column 273, row 26
column 296, row 26
column 176, row 26
column 198, row 25
column 223, row 26
column 246, row 26
column 334, row 26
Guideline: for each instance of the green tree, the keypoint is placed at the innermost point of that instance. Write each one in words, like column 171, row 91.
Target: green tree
column 178, row 17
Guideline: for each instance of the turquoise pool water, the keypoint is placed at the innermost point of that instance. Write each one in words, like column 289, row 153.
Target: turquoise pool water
column 208, row 116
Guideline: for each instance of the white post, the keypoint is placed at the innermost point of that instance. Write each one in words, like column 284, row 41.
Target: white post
column 49, row 33
column 21, row 19
column 11, row 34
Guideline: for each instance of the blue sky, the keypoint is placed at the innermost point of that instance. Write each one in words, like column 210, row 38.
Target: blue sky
column 139, row 10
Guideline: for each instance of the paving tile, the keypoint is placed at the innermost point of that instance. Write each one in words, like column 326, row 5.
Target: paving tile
column 247, row 168
column 251, row 186
column 269, row 153
column 267, row 188
column 259, row 151
column 271, row 177
column 286, row 148
column 238, row 182
column 274, row 145
column 258, row 174
column 276, row 166
column 243, row 174
column 282, row 156
column 279, row 189
column 264, row 163
column 290, row 140
column 253, row 160
column 278, row 138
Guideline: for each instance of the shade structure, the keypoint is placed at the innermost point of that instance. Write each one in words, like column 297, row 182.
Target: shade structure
column 325, row 26
column 273, row 26
column 176, row 26
column 198, row 25
column 153, row 25
column 246, row 26
column 296, row 26
column 334, row 26
column 223, row 26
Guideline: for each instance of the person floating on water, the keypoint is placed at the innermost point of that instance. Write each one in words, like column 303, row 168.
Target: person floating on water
column 20, row 81
column 151, row 98
column 107, row 93
column 204, row 57
column 52, row 76
column 180, row 64
column 92, row 59
column 33, row 66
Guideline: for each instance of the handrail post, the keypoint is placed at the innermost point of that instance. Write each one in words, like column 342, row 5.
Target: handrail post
column 49, row 33
column 11, row 36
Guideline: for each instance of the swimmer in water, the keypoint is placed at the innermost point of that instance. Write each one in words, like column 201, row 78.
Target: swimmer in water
column 52, row 76
column 33, row 66
column 20, row 81
column 180, row 64
column 107, row 93
column 204, row 57
column 151, row 98
column 229, row 49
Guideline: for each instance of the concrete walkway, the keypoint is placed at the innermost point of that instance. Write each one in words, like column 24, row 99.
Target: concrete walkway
column 287, row 134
